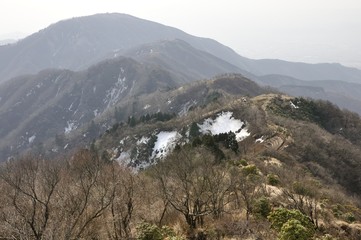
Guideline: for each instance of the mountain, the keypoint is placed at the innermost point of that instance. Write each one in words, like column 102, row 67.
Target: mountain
column 61, row 101
column 304, row 71
column 344, row 94
column 139, row 122
column 35, row 108
column 77, row 43
column 314, row 133
column 301, row 154
column 252, row 165
column 182, row 59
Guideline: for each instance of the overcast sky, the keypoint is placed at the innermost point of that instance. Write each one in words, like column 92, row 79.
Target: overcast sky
column 307, row 30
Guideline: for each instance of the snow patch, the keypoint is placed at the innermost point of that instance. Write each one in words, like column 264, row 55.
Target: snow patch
column 143, row 140
column 113, row 94
column 293, row 105
column 96, row 112
column 29, row 93
column 259, row 140
column 146, row 107
column 166, row 142
column 124, row 158
column 122, row 141
column 186, row 107
column 70, row 107
column 31, row 139
column 224, row 123
column 71, row 125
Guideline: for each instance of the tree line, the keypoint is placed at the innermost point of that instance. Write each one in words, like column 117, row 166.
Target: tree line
column 189, row 195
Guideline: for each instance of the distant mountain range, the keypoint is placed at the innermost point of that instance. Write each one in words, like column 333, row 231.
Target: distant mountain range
column 80, row 42
column 100, row 69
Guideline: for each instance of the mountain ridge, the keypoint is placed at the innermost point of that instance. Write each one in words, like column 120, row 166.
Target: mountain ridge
column 80, row 42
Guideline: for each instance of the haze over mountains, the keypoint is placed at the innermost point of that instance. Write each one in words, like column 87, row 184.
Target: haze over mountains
column 91, row 65
column 77, row 43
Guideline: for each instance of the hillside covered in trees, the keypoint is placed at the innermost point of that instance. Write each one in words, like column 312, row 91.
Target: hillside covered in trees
column 294, row 175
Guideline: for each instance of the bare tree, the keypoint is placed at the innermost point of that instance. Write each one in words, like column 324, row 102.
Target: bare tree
column 87, row 191
column 31, row 183
column 123, row 203
column 304, row 196
column 191, row 186
column 247, row 187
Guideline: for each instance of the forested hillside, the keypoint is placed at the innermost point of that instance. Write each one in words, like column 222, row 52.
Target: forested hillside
column 290, row 172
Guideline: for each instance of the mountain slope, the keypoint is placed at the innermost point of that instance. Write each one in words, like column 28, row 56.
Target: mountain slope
column 80, row 42
column 37, row 107
column 344, row 94
column 305, row 71
column 183, row 60
column 316, row 134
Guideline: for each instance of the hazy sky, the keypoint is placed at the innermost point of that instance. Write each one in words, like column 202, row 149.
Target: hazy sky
column 307, row 30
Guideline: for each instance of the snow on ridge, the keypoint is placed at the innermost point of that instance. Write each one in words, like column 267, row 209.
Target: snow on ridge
column 259, row 140
column 186, row 107
column 71, row 125
column 143, row 140
column 166, row 142
column 293, row 105
column 113, row 94
column 31, row 139
column 124, row 158
column 224, row 123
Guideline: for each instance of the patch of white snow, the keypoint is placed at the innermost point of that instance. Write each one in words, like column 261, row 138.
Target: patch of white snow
column 113, row 94
column 259, row 140
column 224, row 123
column 71, row 125
column 293, row 105
column 146, row 107
column 166, row 142
column 31, row 139
column 143, row 140
column 124, row 158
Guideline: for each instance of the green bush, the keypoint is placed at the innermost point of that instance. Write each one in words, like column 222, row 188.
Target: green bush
column 147, row 231
column 262, row 207
column 250, row 170
column 281, row 216
column 243, row 162
column 349, row 217
column 273, row 179
column 294, row 230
